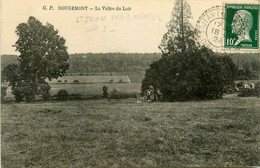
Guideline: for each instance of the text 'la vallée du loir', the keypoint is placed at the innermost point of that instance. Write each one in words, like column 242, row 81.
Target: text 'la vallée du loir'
column 85, row 8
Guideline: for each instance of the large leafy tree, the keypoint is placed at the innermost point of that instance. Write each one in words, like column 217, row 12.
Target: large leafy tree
column 187, row 70
column 43, row 55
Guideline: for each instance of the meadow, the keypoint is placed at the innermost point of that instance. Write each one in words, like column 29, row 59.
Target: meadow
column 88, row 90
column 92, row 89
column 122, row 133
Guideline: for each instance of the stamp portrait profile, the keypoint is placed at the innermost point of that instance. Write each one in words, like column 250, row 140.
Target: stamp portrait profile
column 241, row 26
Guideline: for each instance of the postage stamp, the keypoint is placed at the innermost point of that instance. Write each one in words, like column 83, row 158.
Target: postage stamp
column 241, row 26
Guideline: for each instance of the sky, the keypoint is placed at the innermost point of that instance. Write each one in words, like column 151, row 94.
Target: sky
column 138, row 28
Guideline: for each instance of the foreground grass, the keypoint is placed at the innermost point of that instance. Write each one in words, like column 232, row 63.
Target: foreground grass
column 106, row 133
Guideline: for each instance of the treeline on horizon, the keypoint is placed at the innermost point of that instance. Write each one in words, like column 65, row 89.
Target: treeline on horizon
column 101, row 62
column 128, row 63
column 111, row 62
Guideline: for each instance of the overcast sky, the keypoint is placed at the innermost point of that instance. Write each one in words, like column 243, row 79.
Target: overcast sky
column 138, row 30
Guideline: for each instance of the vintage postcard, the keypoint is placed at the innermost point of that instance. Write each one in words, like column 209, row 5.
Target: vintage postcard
column 134, row 83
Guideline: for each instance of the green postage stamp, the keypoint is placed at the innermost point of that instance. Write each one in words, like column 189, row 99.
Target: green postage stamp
column 241, row 26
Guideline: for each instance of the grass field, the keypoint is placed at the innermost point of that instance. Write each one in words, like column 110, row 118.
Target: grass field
column 119, row 133
column 88, row 90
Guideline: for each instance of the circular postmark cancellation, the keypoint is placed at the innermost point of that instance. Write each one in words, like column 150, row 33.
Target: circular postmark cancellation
column 210, row 26
column 229, row 27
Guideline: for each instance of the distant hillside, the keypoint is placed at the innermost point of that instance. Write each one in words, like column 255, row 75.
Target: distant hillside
column 97, row 63
column 126, row 63
column 8, row 59
column 111, row 62
column 240, row 59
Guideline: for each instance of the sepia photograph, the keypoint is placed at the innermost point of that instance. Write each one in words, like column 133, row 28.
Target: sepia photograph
column 134, row 83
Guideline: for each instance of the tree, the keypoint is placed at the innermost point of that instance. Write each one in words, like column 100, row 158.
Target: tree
column 105, row 91
column 181, row 36
column 43, row 55
column 12, row 74
column 229, row 71
column 3, row 92
column 255, row 65
column 187, row 70
column 249, row 70
column 62, row 95
column 187, row 76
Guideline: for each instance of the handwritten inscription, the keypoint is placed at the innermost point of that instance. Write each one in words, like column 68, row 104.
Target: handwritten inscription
column 90, row 19
column 109, row 23
column 119, row 17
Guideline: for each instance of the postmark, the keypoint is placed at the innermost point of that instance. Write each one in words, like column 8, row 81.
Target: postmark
column 210, row 26
column 241, row 26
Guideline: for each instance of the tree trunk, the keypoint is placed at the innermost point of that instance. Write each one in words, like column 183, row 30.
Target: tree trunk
column 182, row 29
column 31, row 93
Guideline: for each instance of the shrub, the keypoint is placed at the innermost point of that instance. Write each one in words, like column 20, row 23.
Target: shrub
column 246, row 92
column 23, row 91
column 250, row 92
column 229, row 89
column 18, row 94
column 44, row 91
column 74, row 97
column 99, row 96
column 121, row 95
column 29, row 93
column 257, row 89
column 105, row 91
column 76, row 81
column 59, row 81
column 65, row 81
column 257, row 92
column 62, row 95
